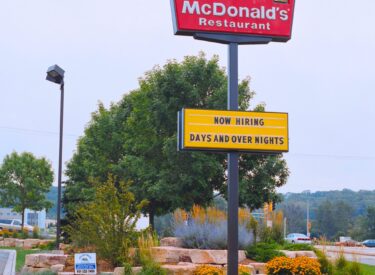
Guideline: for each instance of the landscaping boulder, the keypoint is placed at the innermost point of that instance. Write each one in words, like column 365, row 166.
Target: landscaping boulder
column 180, row 269
column 19, row 243
column 57, row 268
column 259, row 268
column 28, row 269
column 174, row 255
column 168, row 254
column 44, row 260
column 309, row 254
column 289, row 254
column 171, row 241
column 295, row 254
column 120, row 270
column 30, row 243
column 10, row 242
column 203, row 256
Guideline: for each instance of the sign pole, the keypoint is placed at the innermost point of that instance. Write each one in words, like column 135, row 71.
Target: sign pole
column 233, row 166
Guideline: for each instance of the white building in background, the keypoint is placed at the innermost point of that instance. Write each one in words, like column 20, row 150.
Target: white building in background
column 34, row 218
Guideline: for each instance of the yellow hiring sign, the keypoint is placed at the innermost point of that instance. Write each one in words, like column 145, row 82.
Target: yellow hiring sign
column 233, row 131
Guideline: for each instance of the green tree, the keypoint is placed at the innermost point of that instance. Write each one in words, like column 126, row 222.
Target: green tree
column 24, row 182
column 139, row 136
column 370, row 222
column 295, row 214
column 334, row 219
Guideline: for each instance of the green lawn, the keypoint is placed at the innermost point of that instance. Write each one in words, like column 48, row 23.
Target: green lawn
column 21, row 254
column 368, row 269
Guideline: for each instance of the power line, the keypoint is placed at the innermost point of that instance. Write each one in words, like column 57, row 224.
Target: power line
column 37, row 132
column 332, row 156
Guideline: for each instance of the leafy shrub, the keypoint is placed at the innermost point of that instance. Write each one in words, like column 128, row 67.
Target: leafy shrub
column 341, row 263
column 208, row 270
column 36, row 232
column 355, row 269
column 152, row 268
column 210, row 235
column 253, row 226
column 15, row 234
column 24, row 234
column 128, row 269
column 298, row 247
column 271, row 234
column 297, row 266
column 47, row 246
column 263, row 252
column 108, row 223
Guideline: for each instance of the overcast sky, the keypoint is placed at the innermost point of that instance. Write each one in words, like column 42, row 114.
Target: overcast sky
column 324, row 77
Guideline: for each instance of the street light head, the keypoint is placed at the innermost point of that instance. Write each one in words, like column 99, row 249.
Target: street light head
column 55, row 74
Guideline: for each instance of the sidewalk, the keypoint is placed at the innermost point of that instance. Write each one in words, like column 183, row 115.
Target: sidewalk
column 7, row 262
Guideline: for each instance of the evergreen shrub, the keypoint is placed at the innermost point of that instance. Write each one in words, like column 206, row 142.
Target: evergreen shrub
column 263, row 252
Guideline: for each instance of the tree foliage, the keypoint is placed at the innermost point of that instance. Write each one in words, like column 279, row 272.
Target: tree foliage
column 334, row 220
column 295, row 214
column 370, row 222
column 24, row 181
column 135, row 140
column 356, row 224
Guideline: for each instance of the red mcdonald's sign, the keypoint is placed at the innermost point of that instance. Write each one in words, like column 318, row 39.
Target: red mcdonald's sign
column 267, row 18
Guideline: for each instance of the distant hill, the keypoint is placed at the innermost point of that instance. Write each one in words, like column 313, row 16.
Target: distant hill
column 332, row 213
column 358, row 200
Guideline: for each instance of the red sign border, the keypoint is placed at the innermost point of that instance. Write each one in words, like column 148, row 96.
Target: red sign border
column 228, row 34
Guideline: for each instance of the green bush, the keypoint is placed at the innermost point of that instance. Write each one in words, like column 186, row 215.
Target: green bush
column 24, row 234
column 341, row 263
column 355, row 269
column 298, row 247
column 36, row 232
column 271, row 235
column 263, row 252
column 15, row 234
column 108, row 223
column 326, row 267
column 152, row 268
column 47, row 246
column 128, row 269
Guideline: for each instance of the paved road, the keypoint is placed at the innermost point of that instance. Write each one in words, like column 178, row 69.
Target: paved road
column 361, row 254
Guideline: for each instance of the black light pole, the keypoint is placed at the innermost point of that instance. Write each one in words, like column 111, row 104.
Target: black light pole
column 56, row 74
column 233, row 166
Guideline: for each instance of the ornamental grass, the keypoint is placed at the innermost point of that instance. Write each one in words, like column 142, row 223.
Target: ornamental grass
column 297, row 266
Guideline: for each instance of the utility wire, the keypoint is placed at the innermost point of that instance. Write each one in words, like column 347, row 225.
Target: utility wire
column 32, row 131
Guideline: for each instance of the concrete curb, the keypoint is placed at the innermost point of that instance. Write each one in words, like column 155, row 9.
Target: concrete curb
column 346, row 251
column 10, row 267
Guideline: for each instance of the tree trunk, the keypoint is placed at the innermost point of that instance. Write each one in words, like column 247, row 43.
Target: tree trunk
column 23, row 218
column 152, row 219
